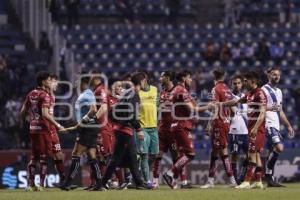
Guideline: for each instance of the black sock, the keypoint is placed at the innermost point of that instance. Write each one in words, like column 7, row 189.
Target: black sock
column 95, row 169
column 73, row 169
column 128, row 176
column 271, row 162
column 243, row 170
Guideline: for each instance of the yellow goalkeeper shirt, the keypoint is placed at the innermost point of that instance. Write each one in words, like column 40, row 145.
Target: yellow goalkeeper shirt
column 148, row 107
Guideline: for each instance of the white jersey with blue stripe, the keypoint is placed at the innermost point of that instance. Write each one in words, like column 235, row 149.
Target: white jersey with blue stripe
column 274, row 97
column 238, row 124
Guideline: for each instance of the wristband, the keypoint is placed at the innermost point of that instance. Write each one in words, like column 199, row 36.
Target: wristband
column 86, row 118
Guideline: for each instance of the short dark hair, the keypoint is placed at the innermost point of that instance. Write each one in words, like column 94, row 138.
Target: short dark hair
column 42, row 76
column 236, row 76
column 270, row 69
column 182, row 74
column 85, row 79
column 169, row 74
column 219, row 73
column 137, row 78
column 54, row 76
column 145, row 72
column 253, row 76
column 127, row 76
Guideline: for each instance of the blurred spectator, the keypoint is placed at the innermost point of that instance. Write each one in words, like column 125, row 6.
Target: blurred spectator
column 126, row 8
column 263, row 52
column 295, row 12
column 210, row 54
column 72, row 11
column 248, row 52
column 53, row 6
column 12, row 119
column 225, row 53
column 296, row 95
column 229, row 11
column 236, row 52
column 45, row 48
column 3, row 63
column 285, row 15
column 277, row 52
column 174, row 9
column 237, row 10
column 4, row 81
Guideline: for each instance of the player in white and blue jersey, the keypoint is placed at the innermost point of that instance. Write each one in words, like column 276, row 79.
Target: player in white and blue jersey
column 238, row 134
column 274, row 115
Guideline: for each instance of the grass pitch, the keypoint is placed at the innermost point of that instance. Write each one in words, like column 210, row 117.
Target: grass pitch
column 291, row 192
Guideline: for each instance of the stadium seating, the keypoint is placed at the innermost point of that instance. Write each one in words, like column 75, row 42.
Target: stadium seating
column 115, row 48
column 267, row 6
column 15, row 79
column 94, row 8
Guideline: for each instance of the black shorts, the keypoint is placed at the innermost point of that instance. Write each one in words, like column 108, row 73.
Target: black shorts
column 87, row 135
column 238, row 143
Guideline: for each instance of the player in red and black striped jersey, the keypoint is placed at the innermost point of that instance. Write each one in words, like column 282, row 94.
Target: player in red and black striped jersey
column 38, row 105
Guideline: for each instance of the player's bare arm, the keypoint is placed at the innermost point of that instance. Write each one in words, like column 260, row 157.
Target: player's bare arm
column 287, row 124
column 23, row 110
column 259, row 121
column 102, row 111
column 45, row 114
column 209, row 106
column 231, row 103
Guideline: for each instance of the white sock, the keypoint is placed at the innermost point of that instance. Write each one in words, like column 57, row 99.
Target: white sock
column 232, row 180
column 211, row 180
column 170, row 173
column 185, row 182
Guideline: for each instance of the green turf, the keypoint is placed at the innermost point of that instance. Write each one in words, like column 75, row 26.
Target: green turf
column 291, row 192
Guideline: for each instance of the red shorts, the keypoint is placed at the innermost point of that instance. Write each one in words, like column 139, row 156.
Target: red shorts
column 56, row 147
column 41, row 146
column 166, row 141
column 183, row 139
column 105, row 143
column 256, row 144
column 219, row 137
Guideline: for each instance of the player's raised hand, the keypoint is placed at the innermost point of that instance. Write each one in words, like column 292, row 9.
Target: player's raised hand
column 291, row 132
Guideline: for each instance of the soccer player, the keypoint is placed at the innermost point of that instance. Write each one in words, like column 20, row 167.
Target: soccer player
column 182, row 124
column 125, row 118
column 238, row 132
column 104, row 136
column 38, row 104
column 219, row 128
column 148, row 148
column 166, row 139
column 274, row 114
column 56, row 147
column 86, row 141
column 257, row 103
column 107, row 138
